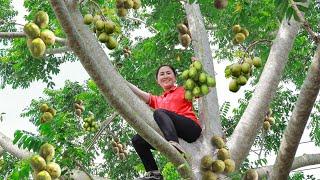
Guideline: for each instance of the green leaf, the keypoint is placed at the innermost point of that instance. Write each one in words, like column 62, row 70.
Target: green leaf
column 17, row 136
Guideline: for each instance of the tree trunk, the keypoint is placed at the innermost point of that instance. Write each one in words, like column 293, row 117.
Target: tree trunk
column 6, row 144
column 252, row 119
column 299, row 118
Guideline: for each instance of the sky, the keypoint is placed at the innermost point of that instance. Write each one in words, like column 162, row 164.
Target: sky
column 13, row 101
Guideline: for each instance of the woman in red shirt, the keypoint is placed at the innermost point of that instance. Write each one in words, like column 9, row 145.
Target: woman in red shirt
column 173, row 114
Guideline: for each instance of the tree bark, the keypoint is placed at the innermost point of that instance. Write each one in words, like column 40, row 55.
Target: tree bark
column 6, row 144
column 111, row 84
column 252, row 119
column 299, row 118
column 298, row 162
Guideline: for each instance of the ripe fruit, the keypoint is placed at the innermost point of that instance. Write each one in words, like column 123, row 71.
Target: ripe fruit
column 266, row 125
column 41, row 19
column 236, row 28
column 206, row 161
column 48, row 37
column 47, row 151
column 53, row 169
column 185, row 40
column 44, row 107
column 218, row 166
column 245, row 32
column 31, row 30
column 37, row 48
column 47, row 116
column 229, row 166
column 271, row 120
column 43, row 175
column 122, row 12
column 37, row 163
column 240, row 37
column 223, row 154
column 87, row 19
column 251, row 174
column 220, row 4
column 209, row 175
column 217, row 141
column 183, row 29
column 136, row 4
column 128, row 4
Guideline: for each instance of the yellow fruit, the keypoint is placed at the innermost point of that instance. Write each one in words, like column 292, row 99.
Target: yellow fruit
column 37, row 48
column 245, row 32
column 41, row 19
column 240, row 37
column 206, row 161
column 188, row 95
column 109, row 27
column 236, row 28
column 112, row 43
column 48, row 37
column 220, row 4
column 218, row 166
column 47, row 116
column 223, row 154
column 211, row 82
column 136, row 4
column 53, row 169
column 209, row 175
column 183, row 29
column 251, row 174
column 31, row 30
column 217, row 141
column 229, row 166
column 122, row 12
column 44, row 107
column 47, row 151
column 120, row 3
column 236, row 70
column 257, row 62
column 87, row 19
column 128, row 4
column 185, row 40
column 245, row 67
column 271, row 120
column 122, row 156
column 103, row 37
column 43, row 175
column 233, row 85
column 266, row 125
column 37, row 163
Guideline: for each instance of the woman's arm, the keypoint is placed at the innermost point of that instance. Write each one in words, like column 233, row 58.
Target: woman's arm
column 141, row 94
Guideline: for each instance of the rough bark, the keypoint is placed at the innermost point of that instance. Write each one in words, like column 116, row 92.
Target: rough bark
column 111, row 84
column 299, row 118
column 12, row 35
column 298, row 162
column 252, row 119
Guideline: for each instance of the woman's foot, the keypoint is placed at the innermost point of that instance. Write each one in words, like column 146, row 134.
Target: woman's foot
column 152, row 175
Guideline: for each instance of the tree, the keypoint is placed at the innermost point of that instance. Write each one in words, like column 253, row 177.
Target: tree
column 19, row 68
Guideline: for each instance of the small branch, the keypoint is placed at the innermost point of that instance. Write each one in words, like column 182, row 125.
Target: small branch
column 305, row 23
column 104, row 125
column 11, row 35
column 83, row 169
column 58, row 50
column 141, row 21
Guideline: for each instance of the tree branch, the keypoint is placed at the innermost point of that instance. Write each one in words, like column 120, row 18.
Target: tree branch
column 58, row 50
column 301, row 161
column 141, row 21
column 298, row 120
column 111, row 84
column 7, row 145
column 252, row 119
column 12, row 35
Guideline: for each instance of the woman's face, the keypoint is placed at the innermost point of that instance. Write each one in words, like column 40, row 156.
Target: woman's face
column 166, row 78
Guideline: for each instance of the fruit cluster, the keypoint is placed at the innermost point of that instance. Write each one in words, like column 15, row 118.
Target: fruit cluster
column 184, row 33
column 48, row 113
column 90, row 124
column 240, row 34
column 268, row 121
column 38, row 37
column 223, row 164
column 79, row 107
column 240, row 72
column 197, row 81
column 124, row 5
column 42, row 166
column 119, row 149
column 103, row 29
column 126, row 51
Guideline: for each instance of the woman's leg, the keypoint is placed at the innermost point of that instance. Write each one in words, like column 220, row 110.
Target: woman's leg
column 143, row 148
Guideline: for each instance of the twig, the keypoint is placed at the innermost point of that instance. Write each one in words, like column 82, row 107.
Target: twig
column 305, row 23
column 137, row 19
column 58, row 50
column 104, row 125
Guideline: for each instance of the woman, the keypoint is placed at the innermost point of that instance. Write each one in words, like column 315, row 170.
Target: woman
column 173, row 114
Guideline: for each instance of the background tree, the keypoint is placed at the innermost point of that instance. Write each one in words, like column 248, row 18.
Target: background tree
column 286, row 59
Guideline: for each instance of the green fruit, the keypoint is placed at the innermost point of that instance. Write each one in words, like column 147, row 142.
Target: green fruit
column 203, row 77
column 43, row 175
column 37, row 48
column 109, row 27
column 209, row 175
column 217, row 141
column 99, row 25
column 257, row 62
column 112, row 43
column 204, row 89
column 240, row 37
column 192, row 72
column 96, row 18
column 223, row 154
column 53, row 169
column 218, row 166
column 196, row 92
column 230, row 166
column 188, row 95
column 233, row 86
column 128, row 4
column 185, row 74
column 31, row 30
column 206, row 161
column 183, row 29
column 245, row 67
column 47, row 151
column 235, row 69
column 211, row 82
column 236, row 28
column 86, row 125
column 41, row 19
column 198, row 65
column 44, row 107
column 37, row 163
column 48, row 37
column 87, row 19
column 241, row 80
column 103, row 37
column 136, row 4
column 249, row 61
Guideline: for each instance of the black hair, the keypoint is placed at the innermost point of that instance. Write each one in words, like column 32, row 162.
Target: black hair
column 172, row 68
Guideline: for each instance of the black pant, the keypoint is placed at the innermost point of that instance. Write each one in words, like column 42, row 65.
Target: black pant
column 173, row 126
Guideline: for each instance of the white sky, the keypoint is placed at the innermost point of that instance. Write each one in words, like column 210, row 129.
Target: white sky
column 13, row 101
